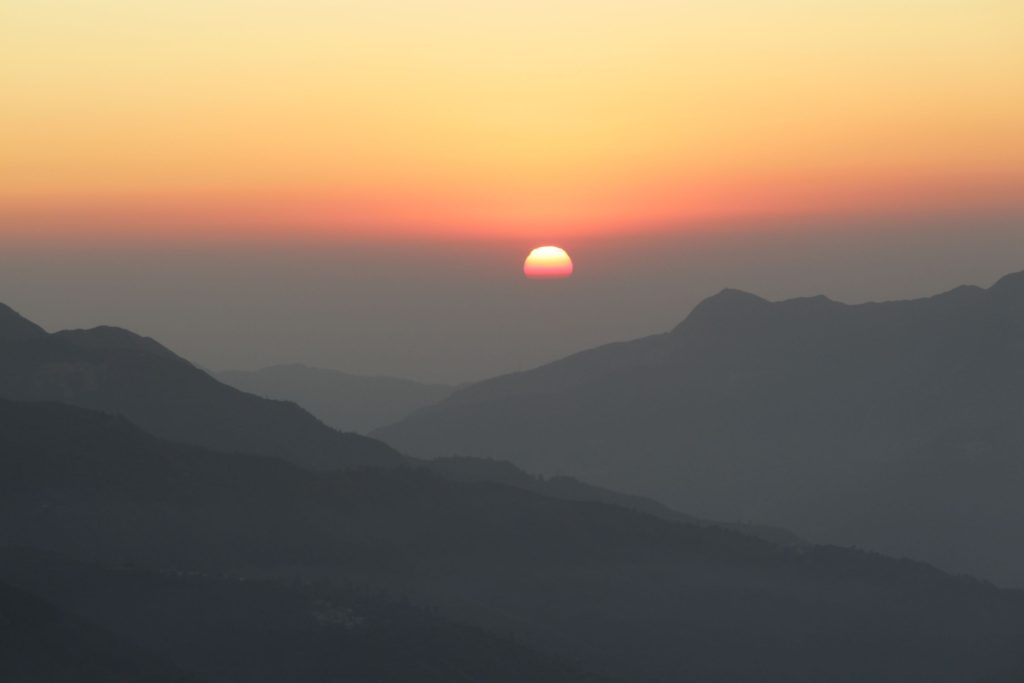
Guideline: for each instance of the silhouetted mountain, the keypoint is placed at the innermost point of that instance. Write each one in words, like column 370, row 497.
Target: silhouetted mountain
column 40, row 643
column 13, row 327
column 479, row 470
column 621, row 592
column 355, row 403
column 115, row 370
column 261, row 631
column 893, row 426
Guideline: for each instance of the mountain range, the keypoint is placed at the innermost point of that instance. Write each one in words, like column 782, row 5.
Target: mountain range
column 158, row 525
column 264, row 552
column 892, row 426
column 356, row 403
column 115, row 370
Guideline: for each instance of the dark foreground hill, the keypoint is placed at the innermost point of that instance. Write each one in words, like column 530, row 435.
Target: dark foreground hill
column 623, row 593
column 356, row 403
column 114, row 370
column 40, row 643
column 894, row 426
column 262, row 631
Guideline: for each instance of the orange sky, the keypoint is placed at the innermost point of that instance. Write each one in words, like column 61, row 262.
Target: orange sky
column 536, row 118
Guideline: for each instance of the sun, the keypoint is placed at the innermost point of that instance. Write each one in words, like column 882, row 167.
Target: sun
column 547, row 263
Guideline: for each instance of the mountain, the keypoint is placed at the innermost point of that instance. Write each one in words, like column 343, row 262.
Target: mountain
column 347, row 402
column 265, row 631
column 114, row 370
column 479, row 470
column 118, row 371
column 40, row 643
column 617, row 592
column 892, row 426
column 14, row 327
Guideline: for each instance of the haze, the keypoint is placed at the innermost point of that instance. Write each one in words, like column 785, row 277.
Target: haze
column 354, row 184
column 457, row 310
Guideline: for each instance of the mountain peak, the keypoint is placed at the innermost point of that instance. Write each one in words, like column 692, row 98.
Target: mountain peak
column 731, row 301
column 15, row 327
column 1010, row 284
column 728, row 305
column 108, row 337
column 736, row 295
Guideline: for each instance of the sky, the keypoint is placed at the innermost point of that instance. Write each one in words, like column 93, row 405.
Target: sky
column 355, row 184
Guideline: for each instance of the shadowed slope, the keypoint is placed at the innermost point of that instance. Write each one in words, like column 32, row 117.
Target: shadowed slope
column 40, row 643
column 114, row 370
column 13, row 327
column 350, row 402
column 262, row 631
column 478, row 470
column 894, row 426
column 622, row 592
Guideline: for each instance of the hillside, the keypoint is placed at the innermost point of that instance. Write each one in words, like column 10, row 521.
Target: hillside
column 356, row 403
column 118, row 371
column 623, row 593
column 41, row 643
column 891, row 426
column 229, row 630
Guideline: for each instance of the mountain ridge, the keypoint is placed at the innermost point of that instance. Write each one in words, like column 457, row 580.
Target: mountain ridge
column 124, row 373
column 623, row 593
column 805, row 414
column 116, row 370
column 16, row 327
column 343, row 400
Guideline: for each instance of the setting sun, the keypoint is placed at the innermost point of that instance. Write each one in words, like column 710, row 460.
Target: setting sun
column 547, row 263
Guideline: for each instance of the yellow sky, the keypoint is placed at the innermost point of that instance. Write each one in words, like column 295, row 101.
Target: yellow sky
column 498, row 115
